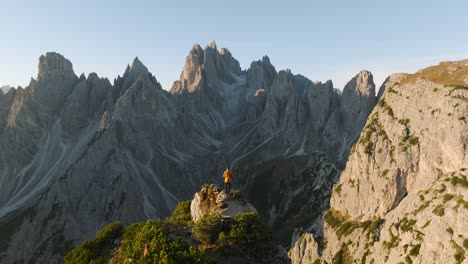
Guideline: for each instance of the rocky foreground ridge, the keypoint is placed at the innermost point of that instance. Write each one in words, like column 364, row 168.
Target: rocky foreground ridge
column 403, row 196
column 212, row 228
column 79, row 152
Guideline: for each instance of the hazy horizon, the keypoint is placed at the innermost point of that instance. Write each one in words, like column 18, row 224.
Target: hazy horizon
column 319, row 40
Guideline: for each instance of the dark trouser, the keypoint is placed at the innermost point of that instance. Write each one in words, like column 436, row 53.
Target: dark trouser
column 227, row 186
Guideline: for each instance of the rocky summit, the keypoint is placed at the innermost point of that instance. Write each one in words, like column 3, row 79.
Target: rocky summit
column 351, row 177
column 212, row 200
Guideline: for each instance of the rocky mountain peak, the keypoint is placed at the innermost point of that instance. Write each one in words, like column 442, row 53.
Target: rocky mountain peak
column 191, row 74
column 261, row 73
column 208, row 63
column 362, row 84
column 138, row 66
column 357, row 101
column 5, row 88
column 213, row 45
column 54, row 65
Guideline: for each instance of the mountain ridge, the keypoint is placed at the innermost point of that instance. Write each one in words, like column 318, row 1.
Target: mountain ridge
column 138, row 149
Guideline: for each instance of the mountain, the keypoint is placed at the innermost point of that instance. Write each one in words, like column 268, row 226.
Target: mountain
column 81, row 152
column 403, row 196
column 4, row 89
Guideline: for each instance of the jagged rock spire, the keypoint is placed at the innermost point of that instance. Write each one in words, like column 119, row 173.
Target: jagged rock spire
column 357, row 101
column 208, row 63
column 54, row 65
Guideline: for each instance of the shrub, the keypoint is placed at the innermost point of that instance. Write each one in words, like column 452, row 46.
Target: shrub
column 338, row 188
column 406, row 224
column 342, row 256
column 394, row 241
column 111, row 231
column 369, row 147
column 415, row 250
column 334, row 218
column 403, row 121
column 248, row 228
column 448, row 197
column 95, row 250
column 207, row 229
column 384, row 173
column 459, row 252
column 450, row 230
column 439, row 210
column 414, row 140
column 162, row 249
column 462, row 181
column 427, row 223
column 181, row 215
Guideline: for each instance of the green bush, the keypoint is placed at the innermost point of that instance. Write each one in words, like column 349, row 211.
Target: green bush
column 406, row 224
column 439, row 210
column 462, row 181
column 181, row 215
column 95, row 251
column 162, row 249
column 111, row 231
column 450, row 230
column 248, row 228
column 415, row 250
column 384, row 173
column 414, row 140
column 207, row 229
column 447, row 197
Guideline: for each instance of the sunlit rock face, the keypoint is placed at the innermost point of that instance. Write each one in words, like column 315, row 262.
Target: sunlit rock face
column 403, row 195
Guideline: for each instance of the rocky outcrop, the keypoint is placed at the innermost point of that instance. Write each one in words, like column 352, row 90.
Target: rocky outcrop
column 403, row 195
column 212, row 200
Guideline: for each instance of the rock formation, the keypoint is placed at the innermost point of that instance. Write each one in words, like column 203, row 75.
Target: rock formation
column 212, row 200
column 403, row 196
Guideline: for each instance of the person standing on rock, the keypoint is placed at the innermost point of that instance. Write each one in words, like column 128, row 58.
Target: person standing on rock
column 227, row 180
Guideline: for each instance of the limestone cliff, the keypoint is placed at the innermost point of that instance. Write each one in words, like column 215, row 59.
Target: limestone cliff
column 403, row 196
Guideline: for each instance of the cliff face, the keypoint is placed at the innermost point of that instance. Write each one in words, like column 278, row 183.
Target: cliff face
column 403, row 195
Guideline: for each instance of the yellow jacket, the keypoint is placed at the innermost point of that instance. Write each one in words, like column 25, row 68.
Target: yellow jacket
column 227, row 176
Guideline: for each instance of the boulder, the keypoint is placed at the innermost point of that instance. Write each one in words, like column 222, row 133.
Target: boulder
column 212, row 200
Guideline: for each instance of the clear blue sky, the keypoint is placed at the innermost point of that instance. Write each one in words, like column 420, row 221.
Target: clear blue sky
column 319, row 39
